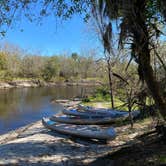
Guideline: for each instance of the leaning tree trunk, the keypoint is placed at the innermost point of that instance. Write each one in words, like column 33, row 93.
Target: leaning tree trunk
column 141, row 41
column 151, row 82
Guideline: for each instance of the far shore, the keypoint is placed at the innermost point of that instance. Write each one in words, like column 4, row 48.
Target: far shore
column 41, row 83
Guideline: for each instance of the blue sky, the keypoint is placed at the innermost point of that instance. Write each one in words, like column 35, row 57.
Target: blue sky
column 52, row 37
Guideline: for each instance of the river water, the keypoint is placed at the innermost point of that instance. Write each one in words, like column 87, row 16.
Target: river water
column 21, row 106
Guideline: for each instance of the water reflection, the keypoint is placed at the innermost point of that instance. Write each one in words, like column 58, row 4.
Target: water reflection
column 21, row 106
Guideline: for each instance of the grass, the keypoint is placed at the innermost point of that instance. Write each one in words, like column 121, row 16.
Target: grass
column 103, row 100
column 105, row 104
column 162, row 158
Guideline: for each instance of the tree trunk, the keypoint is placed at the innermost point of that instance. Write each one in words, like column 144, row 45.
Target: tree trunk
column 141, row 41
column 152, row 84
column 110, row 84
column 131, row 118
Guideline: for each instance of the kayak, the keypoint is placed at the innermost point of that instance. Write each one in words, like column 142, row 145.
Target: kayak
column 84, row 131
column 97, row 114
column 75, row 112
column 86, row 120
column 104, row 111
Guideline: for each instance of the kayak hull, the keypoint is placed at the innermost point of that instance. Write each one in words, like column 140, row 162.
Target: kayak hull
column 94, row 114
column 86, row 121
column 84, row 131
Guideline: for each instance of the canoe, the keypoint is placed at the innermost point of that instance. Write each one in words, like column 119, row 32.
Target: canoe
column 96, row 114
column 85, row 131
column 75, row 112
column 86, row 120
column 103, row 111
column 89, row 108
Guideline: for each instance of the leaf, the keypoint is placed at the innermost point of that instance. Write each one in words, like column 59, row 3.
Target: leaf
column 3, row 33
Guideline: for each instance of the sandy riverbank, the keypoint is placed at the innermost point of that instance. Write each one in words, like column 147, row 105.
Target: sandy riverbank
column 37, row 83
column 35, row 145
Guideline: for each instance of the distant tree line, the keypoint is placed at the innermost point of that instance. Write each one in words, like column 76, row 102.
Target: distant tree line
column 16, row 63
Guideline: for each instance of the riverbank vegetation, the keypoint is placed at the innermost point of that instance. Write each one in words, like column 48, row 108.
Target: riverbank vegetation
column 16, row 64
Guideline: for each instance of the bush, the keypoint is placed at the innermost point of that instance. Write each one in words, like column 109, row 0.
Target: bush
column 86, row 100
column 103, row 91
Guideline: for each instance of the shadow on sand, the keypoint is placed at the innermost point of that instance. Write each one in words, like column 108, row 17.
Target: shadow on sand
column 65, row 151
column 149, row 150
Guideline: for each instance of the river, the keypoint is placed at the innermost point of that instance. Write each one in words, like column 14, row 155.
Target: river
column 21, row 106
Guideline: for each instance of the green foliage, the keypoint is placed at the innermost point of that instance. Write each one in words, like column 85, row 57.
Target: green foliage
column 31, row 66
column 101, row 94
column 103, row 91
column 16, row 63
column 13, row 10
column 86, row 100
column 2, row 61
column 6, row 76
column 50, row 69
column 75, row 56
column 94, row 102
column 162, row 158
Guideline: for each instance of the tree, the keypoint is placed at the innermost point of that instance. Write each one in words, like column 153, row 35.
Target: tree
column 13, row 59
column 75, row 56
column 51, row 68
column 103, row 28
column 2, row 61
column 87, row 63
column 138, row 28
column 32, row 66
column 129, row 90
